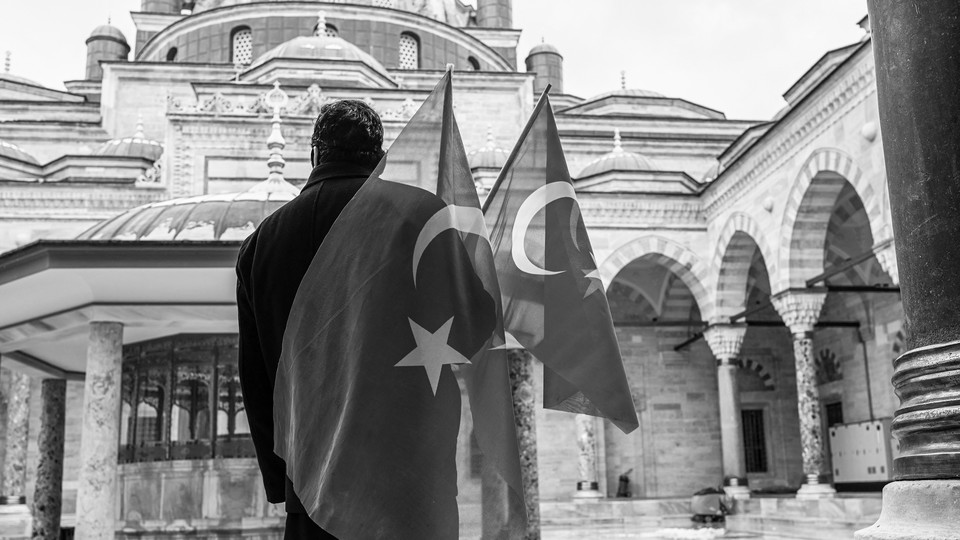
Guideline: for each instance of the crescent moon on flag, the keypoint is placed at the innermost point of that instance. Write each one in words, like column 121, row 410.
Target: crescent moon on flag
column 463, row 219
column 538, row 200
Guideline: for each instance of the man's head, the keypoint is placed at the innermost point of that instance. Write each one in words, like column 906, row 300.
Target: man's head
column 347, row 130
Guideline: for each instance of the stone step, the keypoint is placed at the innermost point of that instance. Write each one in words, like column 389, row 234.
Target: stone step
column 798, row 528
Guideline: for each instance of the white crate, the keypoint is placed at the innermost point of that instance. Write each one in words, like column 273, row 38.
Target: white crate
column 862, row 452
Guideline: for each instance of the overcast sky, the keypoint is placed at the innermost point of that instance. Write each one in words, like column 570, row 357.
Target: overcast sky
column 737, row 56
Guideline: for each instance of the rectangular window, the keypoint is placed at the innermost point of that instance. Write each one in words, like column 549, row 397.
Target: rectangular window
column 754, row 441
column 834, row 413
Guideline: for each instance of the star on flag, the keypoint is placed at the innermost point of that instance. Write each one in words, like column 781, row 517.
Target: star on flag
column 432, row 352
column 595, row 284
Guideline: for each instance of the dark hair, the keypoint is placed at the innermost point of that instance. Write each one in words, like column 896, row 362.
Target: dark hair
column 348, row 130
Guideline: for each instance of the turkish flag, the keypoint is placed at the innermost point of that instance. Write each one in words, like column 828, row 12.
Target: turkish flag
column 554, row 303
column 395, row 330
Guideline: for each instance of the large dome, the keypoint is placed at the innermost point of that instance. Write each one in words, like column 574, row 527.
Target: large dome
column 12, row 151
column 617, row 160
column 231, row 216
column 453, row 12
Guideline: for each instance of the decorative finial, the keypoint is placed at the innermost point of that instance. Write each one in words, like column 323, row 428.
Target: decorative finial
column 237, row 70
column 543, row 39
column 139, row 133
column 277, row 99
column 321, row 24
column 617, row 143
column 6, row 62
column 450, row 68
column 491, row 145
column 623, row 80
column 109, row 19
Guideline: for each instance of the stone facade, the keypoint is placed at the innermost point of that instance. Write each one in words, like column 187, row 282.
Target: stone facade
column 720, row 217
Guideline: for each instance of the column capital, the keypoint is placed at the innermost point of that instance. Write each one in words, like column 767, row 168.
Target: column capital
column 725, row 341
column 799, row 309
column 887, row 257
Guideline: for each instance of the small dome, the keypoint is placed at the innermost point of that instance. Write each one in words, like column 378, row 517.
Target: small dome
column 12, row 151
column 320, row 48
column 617, row 160
column 544, row 48
column 108, row 31
column 490, row 156
column 136, row 146
column 231, row 216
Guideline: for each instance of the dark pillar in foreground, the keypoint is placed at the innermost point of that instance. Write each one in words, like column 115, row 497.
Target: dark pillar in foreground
column 47, row 496
column 917, row 50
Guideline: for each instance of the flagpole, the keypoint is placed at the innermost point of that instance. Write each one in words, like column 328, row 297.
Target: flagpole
column 516, row 149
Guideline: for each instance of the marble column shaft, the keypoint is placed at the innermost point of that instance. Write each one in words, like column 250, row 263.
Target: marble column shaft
column 96, row 496
column 800, row 311
column 17, row 429
column 521, row 380
column 726, row 341
column 587, row 451
column 47, row 499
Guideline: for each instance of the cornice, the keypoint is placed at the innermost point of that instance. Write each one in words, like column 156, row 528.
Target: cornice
column 848, row 92
column 628, row 213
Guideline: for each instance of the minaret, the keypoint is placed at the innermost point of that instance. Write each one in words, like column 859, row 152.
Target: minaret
column 161, row 6
column 545, row 60
column 495, row 13
column 106, row 43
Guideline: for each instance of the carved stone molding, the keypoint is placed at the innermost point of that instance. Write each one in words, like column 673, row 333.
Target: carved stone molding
column 848, row 92
column 887, row 257
column 628, row 213
column 725, row 340
column 799, row 310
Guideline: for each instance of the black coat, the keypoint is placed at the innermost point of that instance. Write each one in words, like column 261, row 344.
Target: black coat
column 270, row 266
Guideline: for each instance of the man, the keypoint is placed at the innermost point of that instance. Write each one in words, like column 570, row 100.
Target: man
column 346, row 147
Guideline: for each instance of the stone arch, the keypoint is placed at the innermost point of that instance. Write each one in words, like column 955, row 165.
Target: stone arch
column 808, row 208
column 732, row 261
column 756, row 367
column 678, row 259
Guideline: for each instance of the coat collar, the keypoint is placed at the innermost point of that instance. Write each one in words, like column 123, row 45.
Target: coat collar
column 333, row 170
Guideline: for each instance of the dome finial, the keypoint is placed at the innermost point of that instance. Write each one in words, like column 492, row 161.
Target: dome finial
column 139, row 133
column 321, row 24
column 623, row 80
column 491, row 145
column 6, row 62
column 276, row 143
column 617, row 143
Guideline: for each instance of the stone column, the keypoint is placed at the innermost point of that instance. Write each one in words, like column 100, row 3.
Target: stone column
column 916, row 46
column 97, row 493
column 15, row 521
column 589, row 485
column 521, row 379
column 47, row 495
column 725, row 341
column 800, row 311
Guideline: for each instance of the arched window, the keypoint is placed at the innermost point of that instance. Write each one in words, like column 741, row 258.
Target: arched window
column 409, row 51
column 172, row 54
column 242, row 51
column 181, row 400
column 474, row 63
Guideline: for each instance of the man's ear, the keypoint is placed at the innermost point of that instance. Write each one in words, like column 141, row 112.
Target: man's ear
column 313, row 156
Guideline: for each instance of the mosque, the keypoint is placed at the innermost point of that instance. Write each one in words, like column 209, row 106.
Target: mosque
column 749, row 266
